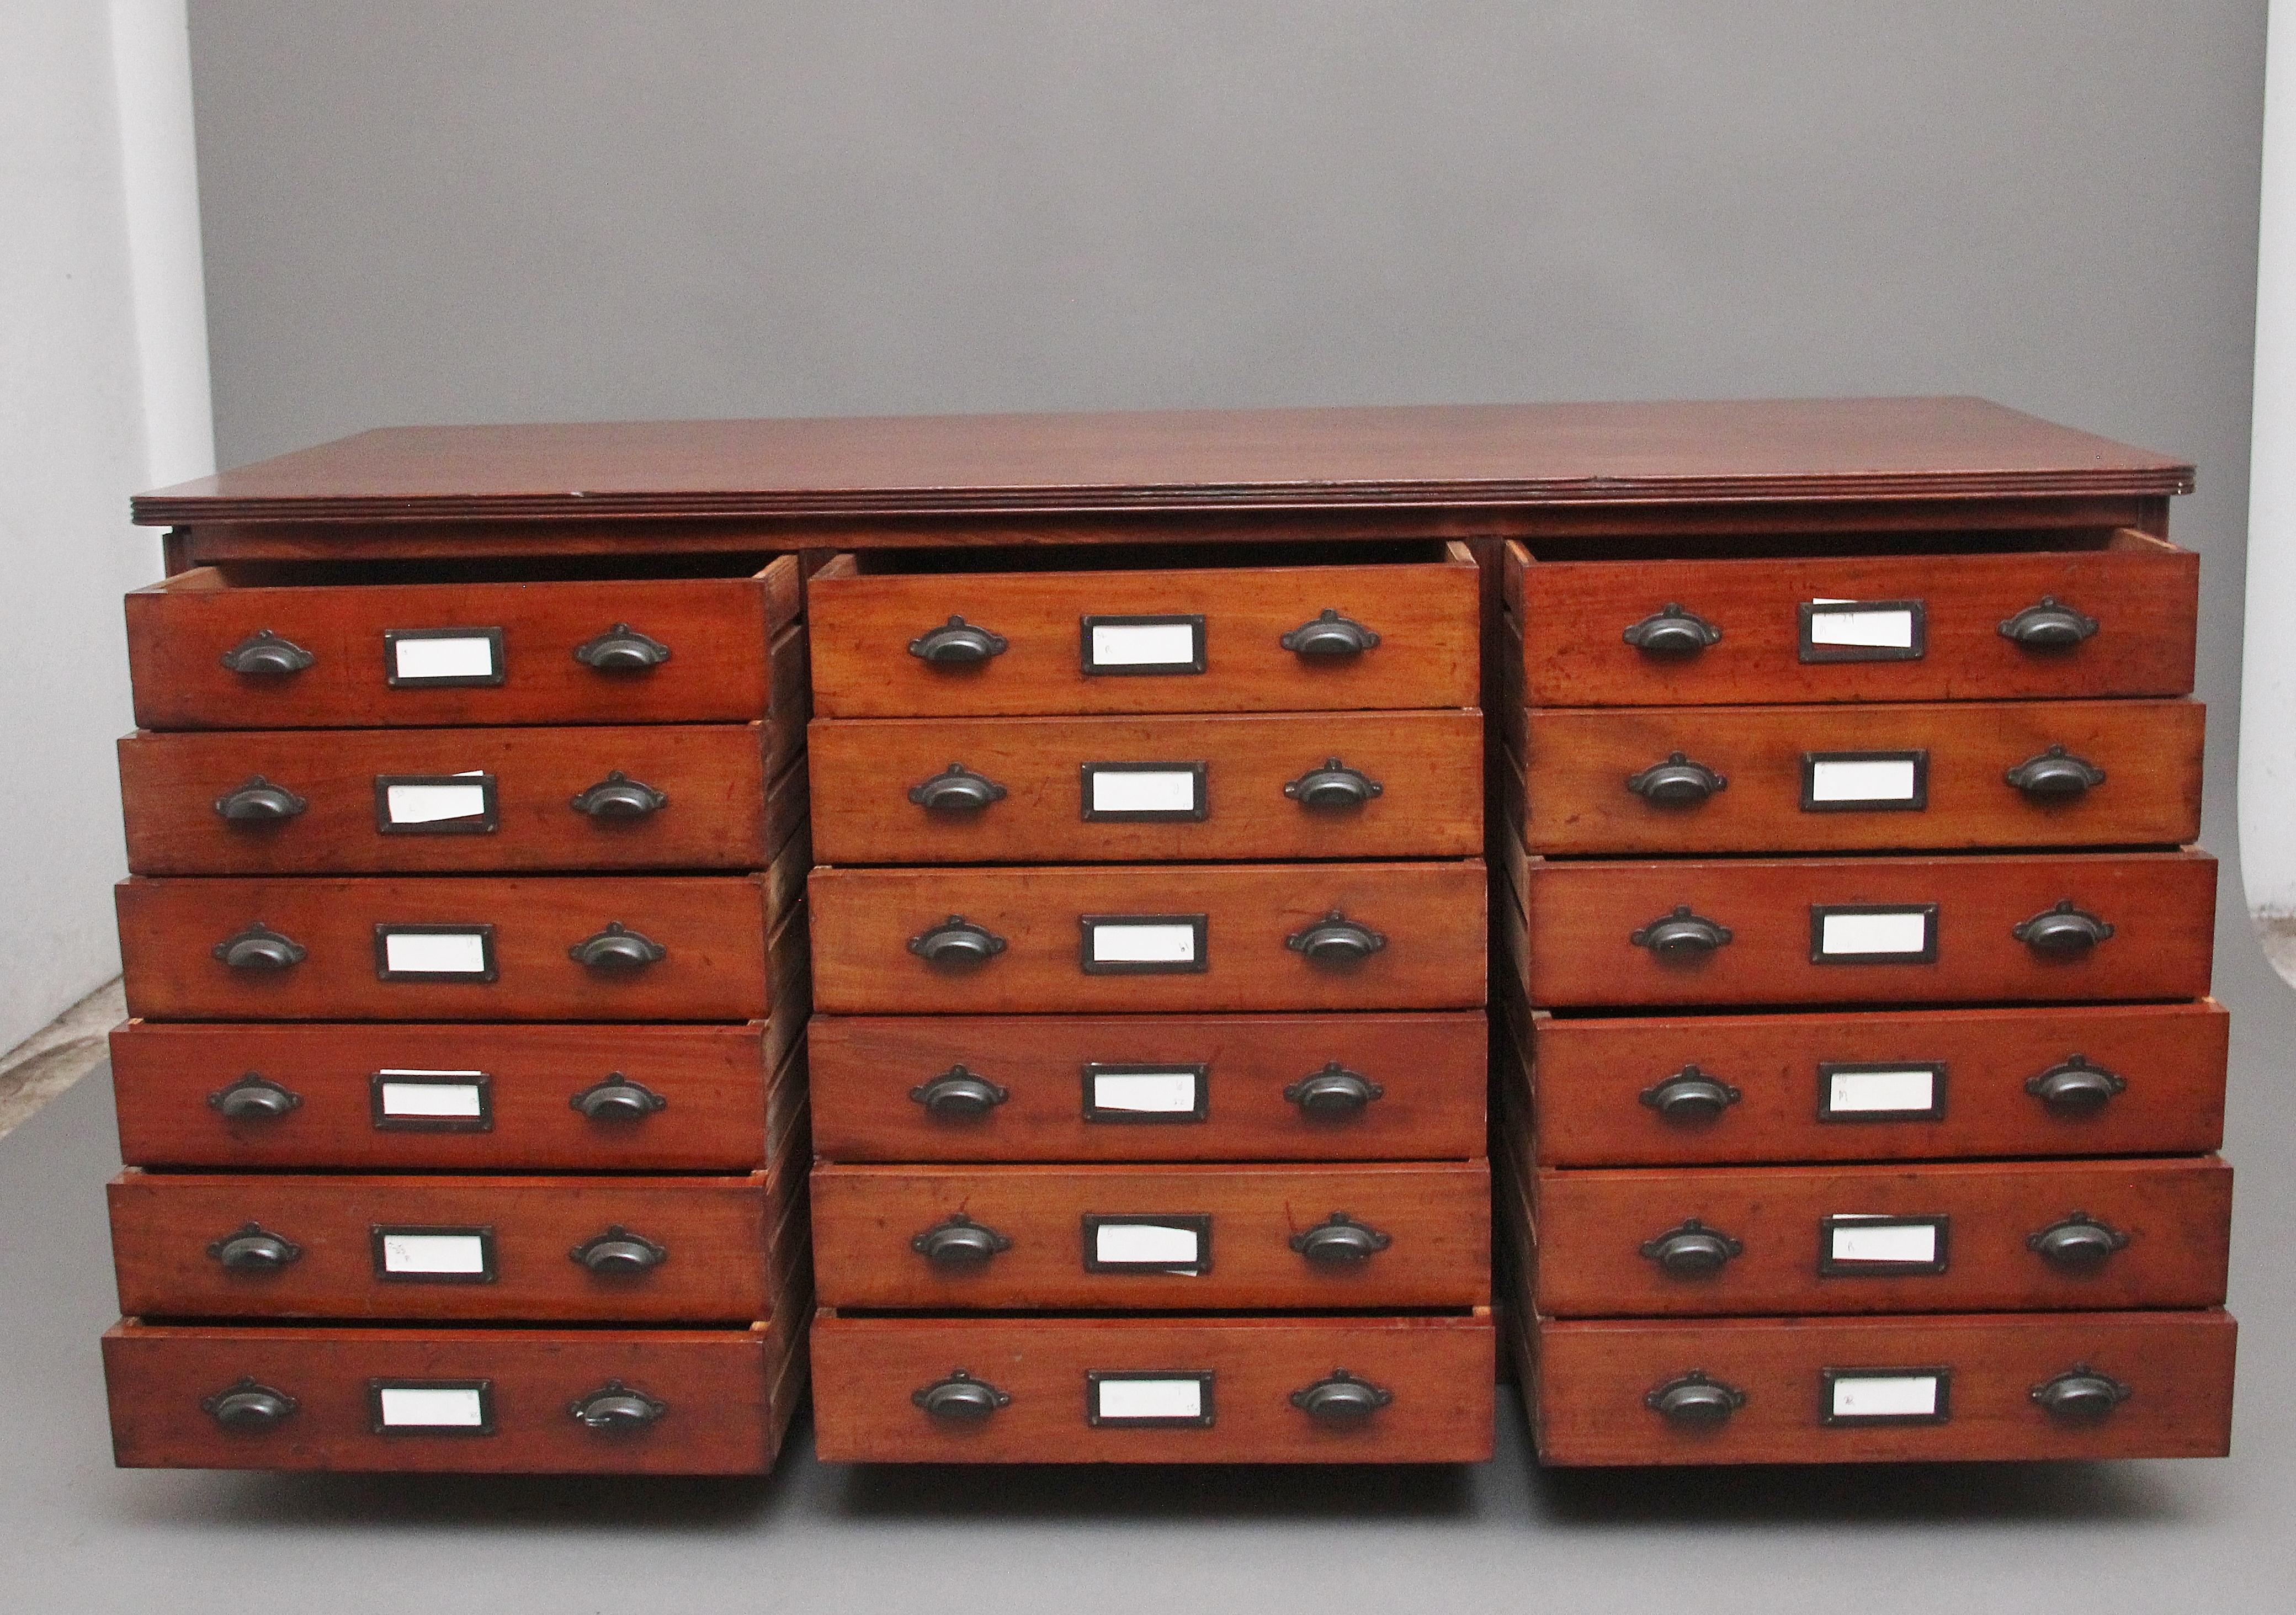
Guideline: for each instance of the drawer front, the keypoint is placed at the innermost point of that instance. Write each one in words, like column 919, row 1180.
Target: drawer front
column 1037, row 790
column 2119, row 620
column 1239, row 937
column 494, row 1098
column 382, row 801
column 462, row 1401
column 1154, row 1390
column 1131, row 1087
column 1184, row 640
column 1964, row 1237
column 1844, row 931
column 362, row 655
column 1822, row 779
column 691, row 1249
column 484, row 948
column 1153, row 1238
column 2107, row 1080
column 2077, row 1385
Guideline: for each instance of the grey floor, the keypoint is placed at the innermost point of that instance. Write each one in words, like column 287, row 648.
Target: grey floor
column 77, row 1533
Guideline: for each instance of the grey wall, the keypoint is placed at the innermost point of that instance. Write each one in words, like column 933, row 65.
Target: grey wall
column 430, row 210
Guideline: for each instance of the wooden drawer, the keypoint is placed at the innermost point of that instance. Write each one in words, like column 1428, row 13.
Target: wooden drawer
column 1823, row 779
column 1583, row 920
column 2104, row 1079
column 511, row 938
column 713, row 1401
column 1936, row 626
column 1086, row 789
column 519, row 1248
column 1248, row 1379
column 1853, row 1239
column 1219, row 936
column 382, row 801
column 1597, row 1383
column 1414, row 1234
column 1061, row 631
column 1135, row 1087
column 492, row 1098
column 486, row 645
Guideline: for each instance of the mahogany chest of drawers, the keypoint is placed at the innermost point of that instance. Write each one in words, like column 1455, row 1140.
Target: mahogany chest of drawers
column 1783, row 813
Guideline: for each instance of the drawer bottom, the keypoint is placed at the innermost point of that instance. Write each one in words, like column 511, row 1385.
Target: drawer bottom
column 1407, row 1389
column 1829, row 1391
column 466, row 1401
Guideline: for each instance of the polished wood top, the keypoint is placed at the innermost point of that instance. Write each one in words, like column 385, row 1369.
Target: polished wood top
column 1197, row 461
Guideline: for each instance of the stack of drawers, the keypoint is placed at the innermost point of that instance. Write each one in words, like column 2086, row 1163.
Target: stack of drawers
column 463, row 1101
column 1764, row 816
column 1149, row 944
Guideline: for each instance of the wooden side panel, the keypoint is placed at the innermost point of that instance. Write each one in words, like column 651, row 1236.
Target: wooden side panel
column 1582, row 917
column 1593, row 1377
column 2174, row 1213
column 1429, row 1069
column 1436, row 1370
column 1782, row 769
column 712, row 1231
column 1431, row 916
column 1435, row 1217
column 726, row 1396
column 1426, row 768
column 2143, row 594
column 1591, row 1073
column 1424, row 614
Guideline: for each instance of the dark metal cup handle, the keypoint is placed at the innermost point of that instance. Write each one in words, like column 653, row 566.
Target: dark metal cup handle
column 2076, row 1241
column 957, row 643
column 1330, row 635
column 1333, row 1094
column 621, row 649
column 2080, row 1394
column 958, row 1242
column 264, row 654
column 956, row 942
column 1670, row 631
column 1681, row 935
column 614, row 1097
column 959, row 1398
column 1339, row 1240
column 254, row 1098
column 2048, row 625
column 1336, row 940
column 1695, row 1399
column 1690, row 1096
column 619, row 1253
column 955, row 789
column 1340, row 1399
column 259, row 801
column 2064, row 931
column 615, row 1409
column 618, row 796
column 2055, row 772
column 1333, row 786
column 249, row 1405
column 254, row 1249
column 1677, row 783
column 958, row 1094
column 2074, row 1087
column 259, row 948
column 1691, row 1249
column 616, row 948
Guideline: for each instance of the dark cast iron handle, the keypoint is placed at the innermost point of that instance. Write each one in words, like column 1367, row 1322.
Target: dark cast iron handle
column 959, row 1242
column 1693, row 1249
column 960, row 1399
column 1336, row 940
column 955, row 789
column 2074, row 1087
column 2055, row 772
column 958, row 1094
column 259, row 801
column 1677, row 783
column 2064, row 931
column 263, row 654
column 1340, row 1399
column 254, row 1098
column 259, row 947
column 614, row 1097
column 1671, row 631
column 616, row 948
column 958, row 943
column 1694, row 1399
column 2050, row 625
column 253, row 1249
column 1690, row 1096
column 2076, row 1241
column 1333, row 1094
column 621, row 649
column 2080, row 1394
column 618, row 796
column 619, row 1253
column 1681, row 935
column 248, row 1405
column 1329, row 635
column 615, row 1409
column 1340, row 1240
column 1335, row 785
column 957, row 643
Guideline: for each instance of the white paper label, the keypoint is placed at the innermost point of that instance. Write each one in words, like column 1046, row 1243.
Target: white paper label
column 1884, row 933
column 435, row 952
column 1142, row 644
column 1891, row 630
column 1150, row 1093
column 471, row 657
column 1143, row 790
column 432, row 1407
column 1885, row 1397
column 1864, row 780
column 1882, row 1241
column 434, row 1253
column 430, row 1100
column 1149, row 1398
column 1147, row 942
column 1849, row 1093
column 431, row 804
column 1144, row 1244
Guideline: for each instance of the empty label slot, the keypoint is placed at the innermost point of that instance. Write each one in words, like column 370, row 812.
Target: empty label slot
column 1903, row 1396
column 1128, row 790
column 403, row 1407
column 435, row 953
column 1879, row 934
column 1139, row 1399
column 1838, row 781
column 1146, row 1245
column 1146, row 1093
column 1880, row 1240
column 1913, row 1089
column 1144, row 942
column 432, row 1095
column 435, row 802
column 432, row 1255
column 424, row 658
column 1145, row 644
column 1891, row 629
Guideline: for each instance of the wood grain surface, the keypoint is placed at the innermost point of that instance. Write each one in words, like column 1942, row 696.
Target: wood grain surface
column 1423, row 610
column 734, row 652
column 1429, row 1070
column 1431, row 915
column 1428, row 768
column 727, row 1397
column 1437, row 1370
column 1591, row 1222
column 1436, row 1216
